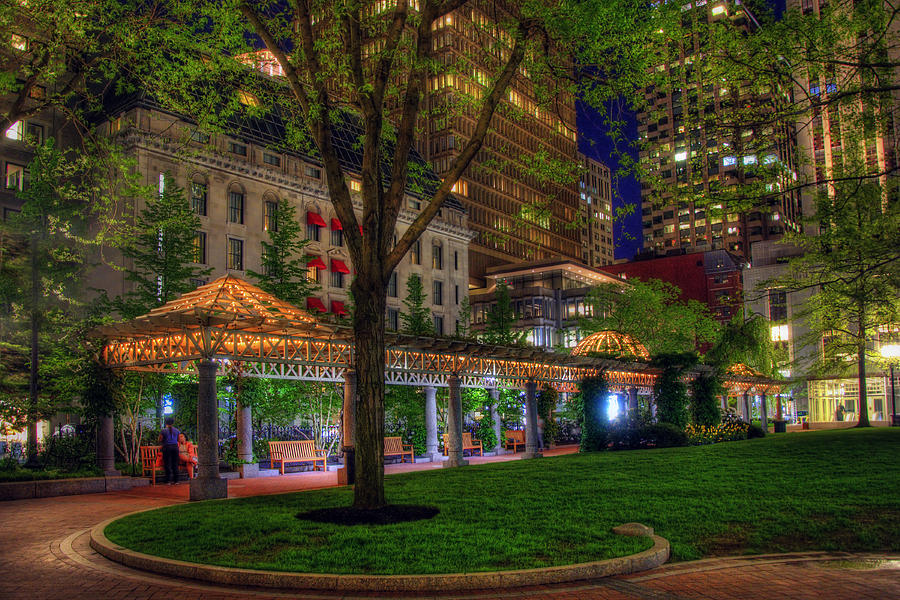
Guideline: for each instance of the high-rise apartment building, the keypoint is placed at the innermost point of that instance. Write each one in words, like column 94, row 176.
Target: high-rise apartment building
column 596, row 221
column 696, row 153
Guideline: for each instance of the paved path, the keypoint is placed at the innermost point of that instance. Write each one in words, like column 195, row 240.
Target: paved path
column 44, row 554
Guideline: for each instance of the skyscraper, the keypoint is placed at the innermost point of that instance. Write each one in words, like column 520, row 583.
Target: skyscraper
column 696, row 153
column 596, row 213
column 514, row 215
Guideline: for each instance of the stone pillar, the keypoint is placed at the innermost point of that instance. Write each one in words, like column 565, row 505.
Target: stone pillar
column 106, row 450
column 764, row 412
column 779, row 412
column 244, row 422
column 431, row 434
column 347, row 473
column 724, row 402
column 454, row 426
column 745, row 406
column 498, row 426
column 531, row 425
column 208, row 485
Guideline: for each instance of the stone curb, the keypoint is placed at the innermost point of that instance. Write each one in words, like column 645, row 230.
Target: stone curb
column 642, row 561
column 48, row 488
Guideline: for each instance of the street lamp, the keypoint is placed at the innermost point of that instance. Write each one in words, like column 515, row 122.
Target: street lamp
column 892, row 353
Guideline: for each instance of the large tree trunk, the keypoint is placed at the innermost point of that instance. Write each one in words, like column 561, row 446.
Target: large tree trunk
column 863, row 396
column 368, row 331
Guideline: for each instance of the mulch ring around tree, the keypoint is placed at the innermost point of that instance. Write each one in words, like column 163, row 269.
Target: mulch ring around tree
column 386, row 515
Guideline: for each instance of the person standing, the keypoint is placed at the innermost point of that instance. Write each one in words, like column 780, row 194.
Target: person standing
column 168, row 437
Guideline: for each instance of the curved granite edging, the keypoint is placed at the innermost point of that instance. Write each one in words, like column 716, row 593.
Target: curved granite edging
column 48, row 488
column 642, row 561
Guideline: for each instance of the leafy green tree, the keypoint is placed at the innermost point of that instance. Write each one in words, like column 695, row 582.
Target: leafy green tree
column 417, row 318
column 464, row 324
column 43, row 265
column 747, row 341
column 284, row 272
column 500, row 319
column 349, row 68
column 854, row 266
column 547, row 400
column 652, row 313
column 162, row 252
column 404, row 413
column 670, row 390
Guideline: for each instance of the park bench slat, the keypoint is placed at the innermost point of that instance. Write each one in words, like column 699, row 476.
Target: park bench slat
column 514, row 439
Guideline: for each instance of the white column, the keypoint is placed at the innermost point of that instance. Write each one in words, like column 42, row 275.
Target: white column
column 531, row 428
column 454, row 426
column 498, row 426
column 244, row 418
column 208, row 485
column 431, row 436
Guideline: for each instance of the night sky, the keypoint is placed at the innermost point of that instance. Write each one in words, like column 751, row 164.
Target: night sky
column 594, row 143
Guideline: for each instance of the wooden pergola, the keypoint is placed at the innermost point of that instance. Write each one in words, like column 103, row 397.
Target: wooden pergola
column 230, row 321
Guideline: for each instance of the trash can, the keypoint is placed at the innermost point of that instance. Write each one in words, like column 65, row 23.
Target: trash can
column 805, row 425
column 780, row 426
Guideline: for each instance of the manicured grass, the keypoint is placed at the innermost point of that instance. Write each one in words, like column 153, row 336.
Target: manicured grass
column 830, row 490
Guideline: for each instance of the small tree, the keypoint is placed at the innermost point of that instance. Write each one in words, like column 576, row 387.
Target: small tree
column 162, row 251
column 284, row 271
column 417, row 320
column 594, row 396
column 501, row 318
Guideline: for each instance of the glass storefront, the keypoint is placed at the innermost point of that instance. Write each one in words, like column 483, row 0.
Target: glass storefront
column 838, row 399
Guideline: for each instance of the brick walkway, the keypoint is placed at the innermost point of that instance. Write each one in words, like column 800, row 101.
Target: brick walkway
column 44, row 554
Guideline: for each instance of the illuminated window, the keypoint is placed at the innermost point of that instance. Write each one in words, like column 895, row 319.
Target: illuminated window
column 19, row 42
column 355, row 186
column 200, row 247
column 270, row 215
column 780, row 333
column 681, row 156
column 750, row 159
column 437, row 257
column 415, row 253
column 718, row 9
column 16, row 131
column 729, row 161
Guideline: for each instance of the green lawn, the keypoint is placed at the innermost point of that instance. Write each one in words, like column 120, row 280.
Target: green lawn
column 830, row 490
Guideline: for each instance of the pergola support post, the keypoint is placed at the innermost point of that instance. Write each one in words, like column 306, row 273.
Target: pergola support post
column 495, row 416
column 106, row 450
column 208, row 485
column 632, row 402
column 764, row 412
column 454, row 425
column 431, row 433
column 347, row 473
column 745, row 406
column 244, row 417
column 531, row 425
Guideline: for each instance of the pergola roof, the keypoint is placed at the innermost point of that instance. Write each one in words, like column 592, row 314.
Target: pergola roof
column 232, row 320
column 226, row 303
column 611, row 342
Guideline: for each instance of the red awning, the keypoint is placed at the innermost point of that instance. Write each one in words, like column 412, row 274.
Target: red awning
column 314, row 219
column 336, row 224
column 338, row 266
column 337, row 308
column 313, row 303
column 317, row 263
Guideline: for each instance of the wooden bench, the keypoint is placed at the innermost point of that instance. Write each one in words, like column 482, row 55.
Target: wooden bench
column 296, row 451
column 394, row 446
column 514, row 439
column 151, row 462
column 467, row 444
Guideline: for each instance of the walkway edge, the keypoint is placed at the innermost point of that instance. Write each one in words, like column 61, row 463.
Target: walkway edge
column 642, row 561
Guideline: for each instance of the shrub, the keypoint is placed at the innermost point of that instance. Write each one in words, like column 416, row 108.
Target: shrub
column 67, row 452
column 670, row 390
column 704, row 405
column 755, row 431
column 594, row 391
column 664, row 435
column 713, row 434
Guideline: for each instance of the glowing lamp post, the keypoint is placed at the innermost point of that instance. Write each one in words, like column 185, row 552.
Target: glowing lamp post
column 892, row 353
